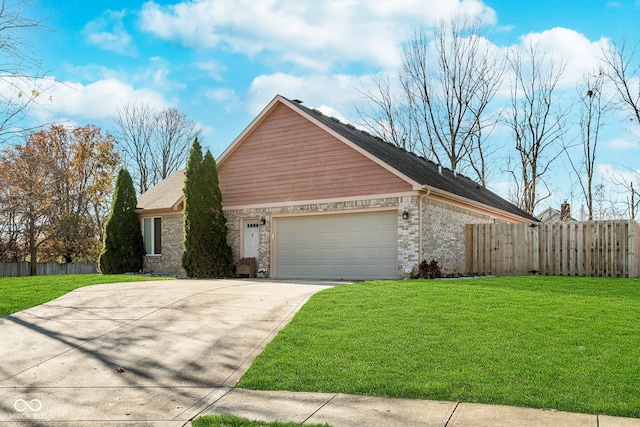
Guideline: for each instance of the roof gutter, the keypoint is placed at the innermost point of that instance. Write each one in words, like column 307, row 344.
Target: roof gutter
column 426, row 191
column 471, row 204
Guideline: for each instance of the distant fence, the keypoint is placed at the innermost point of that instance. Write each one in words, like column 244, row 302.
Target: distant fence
column 591, row 248
column 17, row 269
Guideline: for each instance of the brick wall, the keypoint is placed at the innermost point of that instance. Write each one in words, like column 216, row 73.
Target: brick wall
column 408, row 241
column 443, row 238
column 170, row 262
column 443, row 229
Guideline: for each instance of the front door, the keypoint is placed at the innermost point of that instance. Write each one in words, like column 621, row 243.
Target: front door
column 251, row 239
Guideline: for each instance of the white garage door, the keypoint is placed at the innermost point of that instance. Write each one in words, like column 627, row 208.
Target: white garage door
column 345, row 246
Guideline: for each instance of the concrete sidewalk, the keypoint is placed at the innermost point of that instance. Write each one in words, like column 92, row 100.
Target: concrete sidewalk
column 139, row 354
column 342, row 410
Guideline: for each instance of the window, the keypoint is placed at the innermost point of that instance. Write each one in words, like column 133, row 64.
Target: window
column 152, row 235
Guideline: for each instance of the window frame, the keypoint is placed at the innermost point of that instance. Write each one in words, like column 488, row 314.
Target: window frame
column 156, row 235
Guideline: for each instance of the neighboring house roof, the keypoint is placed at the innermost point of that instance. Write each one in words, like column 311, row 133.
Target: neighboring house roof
column 167, row 194
column 551, row 215
column 417, row 168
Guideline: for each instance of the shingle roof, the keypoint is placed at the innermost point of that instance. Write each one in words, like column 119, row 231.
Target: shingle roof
column 417, row 168
column 165, row 195
column 168, row 193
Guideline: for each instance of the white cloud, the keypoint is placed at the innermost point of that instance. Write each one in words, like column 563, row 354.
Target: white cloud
column 623, row 144
column 213, row 68
column 336, row 90
column 156, row 75
column 502, row 188
column 108, row 32
column 565, row 46
column 221, row 95
column 224, row 96
column 96, row 101
column 312, row 35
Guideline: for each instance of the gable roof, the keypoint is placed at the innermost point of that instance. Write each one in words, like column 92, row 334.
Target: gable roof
column 552, row 214
column 167, row 194
column 418, row 169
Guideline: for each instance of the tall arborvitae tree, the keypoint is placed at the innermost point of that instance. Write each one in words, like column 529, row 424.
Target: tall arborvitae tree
column 206, row 253
column 221, row 256
column 123, row 249
column 192, row 209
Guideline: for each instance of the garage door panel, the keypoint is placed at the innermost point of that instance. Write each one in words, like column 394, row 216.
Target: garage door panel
column 346, row 246
column 388, row 253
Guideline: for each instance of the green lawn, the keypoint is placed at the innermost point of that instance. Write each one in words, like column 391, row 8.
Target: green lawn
column 20, row 293
column 570, row 344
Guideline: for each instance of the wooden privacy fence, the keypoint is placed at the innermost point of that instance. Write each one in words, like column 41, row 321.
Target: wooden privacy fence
column 17, row 269
column 591, row 248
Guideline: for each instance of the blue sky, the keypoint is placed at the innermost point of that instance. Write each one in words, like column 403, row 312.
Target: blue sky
column 222, row 61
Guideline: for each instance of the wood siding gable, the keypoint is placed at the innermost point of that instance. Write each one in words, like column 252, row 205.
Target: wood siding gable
column 284, row 157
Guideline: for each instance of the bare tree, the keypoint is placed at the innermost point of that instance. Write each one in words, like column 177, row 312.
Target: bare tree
column 479, row 151
column 447, row 83
column 135, row 124
column 604, row 206
column 624, row 73
column 593, row 106
column 625, row 77
column 174, row 134
column 23, row 85
column 387, row 116
column 153, row 144
column 624, row 194
column 537, row 123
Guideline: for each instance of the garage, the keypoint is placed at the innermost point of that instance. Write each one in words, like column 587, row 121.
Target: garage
column 337, row 246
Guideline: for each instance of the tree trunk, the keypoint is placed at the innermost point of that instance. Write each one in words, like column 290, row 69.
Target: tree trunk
column 33, row 256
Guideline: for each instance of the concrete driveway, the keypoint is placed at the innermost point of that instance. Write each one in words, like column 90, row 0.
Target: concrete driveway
column 145, row 353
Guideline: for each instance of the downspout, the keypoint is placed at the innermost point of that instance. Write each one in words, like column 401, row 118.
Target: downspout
column 427, row 192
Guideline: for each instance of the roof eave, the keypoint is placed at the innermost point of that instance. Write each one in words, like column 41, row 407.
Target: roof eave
column 178, row 204
column 141, row 212
column 254, row 123
column 468, row 203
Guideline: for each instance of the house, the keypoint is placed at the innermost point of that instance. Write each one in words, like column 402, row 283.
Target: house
column 552, row 214
column 308, row 196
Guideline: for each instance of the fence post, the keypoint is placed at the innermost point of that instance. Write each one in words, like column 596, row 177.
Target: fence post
column 632, row 265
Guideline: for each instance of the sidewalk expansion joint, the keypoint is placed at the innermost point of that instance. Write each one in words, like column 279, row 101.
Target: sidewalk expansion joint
column 451, row 416
column 319, row 408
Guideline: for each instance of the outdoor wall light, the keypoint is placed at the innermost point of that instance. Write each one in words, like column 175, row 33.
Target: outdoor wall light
column 405, row 215
column 263, row 220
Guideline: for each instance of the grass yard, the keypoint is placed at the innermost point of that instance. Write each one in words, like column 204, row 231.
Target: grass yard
column 20, row 293
column 571, row 344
